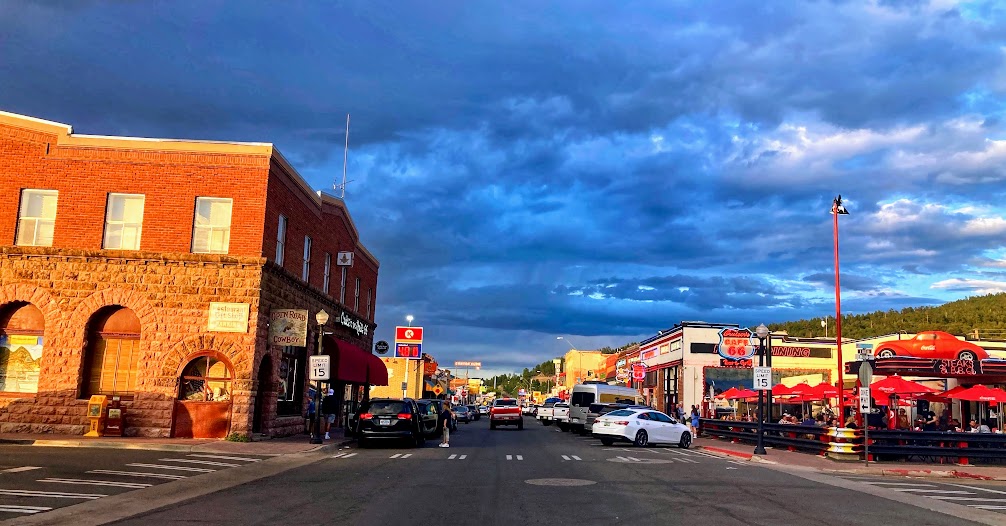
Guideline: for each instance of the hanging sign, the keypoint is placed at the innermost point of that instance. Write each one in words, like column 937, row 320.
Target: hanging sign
column 288, row 327
column 736, row 344
column 638, row 371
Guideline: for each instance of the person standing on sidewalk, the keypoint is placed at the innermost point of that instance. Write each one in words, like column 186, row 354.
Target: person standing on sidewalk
column 447, row 416
column 329, row 408
column 694, row 421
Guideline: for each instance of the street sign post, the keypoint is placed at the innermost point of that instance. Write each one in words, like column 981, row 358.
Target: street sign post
column 762, row 378
column 320, row 366
column 865, row 407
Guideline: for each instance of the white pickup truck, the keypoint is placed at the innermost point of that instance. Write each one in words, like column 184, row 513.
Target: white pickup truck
column 545, row 411
column 560, row 414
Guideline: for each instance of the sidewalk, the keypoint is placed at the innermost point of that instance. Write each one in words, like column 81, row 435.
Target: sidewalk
column 808, row 461
column 276, row 446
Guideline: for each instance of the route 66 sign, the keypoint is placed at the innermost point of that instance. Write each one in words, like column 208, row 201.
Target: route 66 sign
column 736, row 344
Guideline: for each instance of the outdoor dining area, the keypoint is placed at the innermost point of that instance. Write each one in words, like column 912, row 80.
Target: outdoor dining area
column 908, row 421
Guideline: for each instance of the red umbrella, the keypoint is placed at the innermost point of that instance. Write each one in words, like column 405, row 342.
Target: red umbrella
column 981, row 393
column 800, row 389
column 742, row 393
column 728, row 394
column 896, row 385
column 781, row 390
column 821, row 391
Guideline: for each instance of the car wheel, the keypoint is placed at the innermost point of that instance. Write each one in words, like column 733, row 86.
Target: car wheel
column 607, row 441
column 686, row 440
column 886, row 353
column 641, row 439
column 967, row 355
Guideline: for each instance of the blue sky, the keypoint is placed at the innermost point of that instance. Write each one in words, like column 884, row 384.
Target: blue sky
column 596, row 170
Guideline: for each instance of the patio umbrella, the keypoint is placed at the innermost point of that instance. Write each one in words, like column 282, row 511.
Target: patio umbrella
column 821, row 391
column 981, row 393
column 741, row 393
column 896, row 385
column 728, row 394
column 781, row 390
column 800, row 389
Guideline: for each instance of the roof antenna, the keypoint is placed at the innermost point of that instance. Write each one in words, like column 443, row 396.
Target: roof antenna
column 345, row 159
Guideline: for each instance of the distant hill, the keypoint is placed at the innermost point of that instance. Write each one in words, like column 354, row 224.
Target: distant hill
column 984, row 314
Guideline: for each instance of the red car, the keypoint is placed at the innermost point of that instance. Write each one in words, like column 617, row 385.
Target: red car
column 932, row 344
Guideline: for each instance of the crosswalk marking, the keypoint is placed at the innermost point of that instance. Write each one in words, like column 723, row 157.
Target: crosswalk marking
column 511, row 457
column 520, row 457
column 223, row 457
column 344, row 455
column 396, row 455
column 407, row 455
column 7, row 508
column 400, row 456
column 200, row 462
column 20, row 469
column 175, row 468
column 135, row 474
column 564, row 457
column 463, row 457
column 576, row 458
column 452, row 457
column 950, row 497
column 879, row 482
column 84, row 482
column 942, row 491
column 687, row 460
column 51, row 494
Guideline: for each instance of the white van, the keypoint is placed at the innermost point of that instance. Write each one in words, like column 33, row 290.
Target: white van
column 598, row 393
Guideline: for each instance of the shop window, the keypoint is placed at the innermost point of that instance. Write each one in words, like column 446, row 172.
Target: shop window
column 123, row 222
column 113, row 353
column 281, row 240
column 328, row 272
column 206, row 379
column 356, row 302
column 306, row 270
column 21, row 328
column 211, row 229
column 36, row 222
column 290, row 381
column 370, row 304
column 342, row 287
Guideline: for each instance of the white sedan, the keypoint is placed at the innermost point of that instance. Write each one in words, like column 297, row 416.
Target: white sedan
column 641, row 427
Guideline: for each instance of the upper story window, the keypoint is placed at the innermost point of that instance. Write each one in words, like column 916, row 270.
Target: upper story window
column 306, row 272
column 342, row 287
column 356, row 302
column 328, row 272
column 37, row 218
column 281, row 240
column 211, row 231
column 123, row 222
column 370, row 298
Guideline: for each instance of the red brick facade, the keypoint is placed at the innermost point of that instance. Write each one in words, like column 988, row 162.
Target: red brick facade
column 166, row 286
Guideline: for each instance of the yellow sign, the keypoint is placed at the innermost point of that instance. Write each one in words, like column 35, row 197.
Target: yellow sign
column 437, row 390
column 227, row 317
column 17, row 339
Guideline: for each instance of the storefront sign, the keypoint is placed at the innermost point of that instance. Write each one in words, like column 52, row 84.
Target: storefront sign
column 288, row 327
column 20, row 372
column 468, row 364
column 736, row 344
column 227, row 317
column 800, row 352
column 649, row 353
column 20, row 339
column 638, row 371
column 357, row 325
column 958, row 367
column 736, row 364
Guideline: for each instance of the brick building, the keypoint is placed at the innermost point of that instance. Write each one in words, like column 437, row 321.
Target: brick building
column 147, row 269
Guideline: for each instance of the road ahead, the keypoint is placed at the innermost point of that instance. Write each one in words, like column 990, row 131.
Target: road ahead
column 543, row 476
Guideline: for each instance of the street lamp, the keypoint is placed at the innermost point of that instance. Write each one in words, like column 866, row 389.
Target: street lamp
column 322, row 318
column 762, row 333
column 405, row 392
column 838, row 209
column 409, row 319
column 571, row 346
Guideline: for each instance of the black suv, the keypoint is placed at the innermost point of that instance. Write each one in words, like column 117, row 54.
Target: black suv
column 390, row 418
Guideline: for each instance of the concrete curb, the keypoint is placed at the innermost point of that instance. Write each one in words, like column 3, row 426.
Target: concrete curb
column 146, row 446
column 736, row 454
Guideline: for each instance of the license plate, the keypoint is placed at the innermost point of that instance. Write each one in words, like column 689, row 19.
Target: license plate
column 606, row 424
column 385, row 422
column 576, row 419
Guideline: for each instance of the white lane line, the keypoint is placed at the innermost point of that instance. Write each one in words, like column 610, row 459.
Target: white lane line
column 135, row 474
column 173, row 468
column 84, row 482
column 943, row 491
column 703, row 453
column 22, row 509
column 688, row 460
column 976, row 488
column 986, row 507
column 222, row 457
column 462, row 457
column 736, row 462
column 452, row 457
column 654, row 450
column 407, row 455
column 941, row 497
column 564, row 457
column 634, row 459
column 20, row 469
column 900, row 484
column 576, row 458
column 338, row 455
column 396, row 455
column 50, row 494
column 509, row 457
column 520, row 457
column 200, row 462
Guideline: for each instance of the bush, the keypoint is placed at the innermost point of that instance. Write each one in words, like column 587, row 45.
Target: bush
column 238, row 437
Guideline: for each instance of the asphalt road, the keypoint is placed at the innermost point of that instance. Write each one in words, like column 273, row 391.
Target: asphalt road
column 543, row 476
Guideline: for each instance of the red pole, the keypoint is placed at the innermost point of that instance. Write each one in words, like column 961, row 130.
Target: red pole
column 838, row 325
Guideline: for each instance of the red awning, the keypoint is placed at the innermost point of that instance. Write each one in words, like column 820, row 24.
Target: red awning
column 349, row 362
column 377, row 372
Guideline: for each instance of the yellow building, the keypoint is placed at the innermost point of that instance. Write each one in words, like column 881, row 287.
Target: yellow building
column 581, row 366
column 401, row 371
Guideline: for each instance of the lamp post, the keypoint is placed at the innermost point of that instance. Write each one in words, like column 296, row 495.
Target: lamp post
column 322, row 318
column 405, row 392
column 762, row 333
column 838, row 209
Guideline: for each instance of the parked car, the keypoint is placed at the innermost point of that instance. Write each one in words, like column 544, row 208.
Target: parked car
column 545, row 411
column 473, row 412
column 530, row 410
column 560, row 415
column 596, row 410
column 431, row 410
column 933, row 345
column 390, row 418
column 641, row 427
column 461, row 413
column 505, row 412
column 483, row 410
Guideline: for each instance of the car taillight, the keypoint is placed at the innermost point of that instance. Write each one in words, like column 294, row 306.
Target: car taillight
column 405, row 416
column 366, row 416
column 621, row 423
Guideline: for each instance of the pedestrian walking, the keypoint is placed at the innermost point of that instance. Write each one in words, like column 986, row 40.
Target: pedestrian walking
column 329, row 408
column 447, row 416
column 309, row 417
column 695, row 421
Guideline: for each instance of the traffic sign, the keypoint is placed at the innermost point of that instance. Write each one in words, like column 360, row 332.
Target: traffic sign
column 408, row 350
column 320, row 366
column 762, row 378
column 382, row 347
column 437, row 390
column 865, row 401
column 408, row 334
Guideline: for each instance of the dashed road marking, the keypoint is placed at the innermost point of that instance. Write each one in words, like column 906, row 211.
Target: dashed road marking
column 135, row 474
column 6, row 508
column 200, row 462
column 511, row 457
column 940, row 491
column 20, row 469
column 85, row 482
column 576, row 458
column 223, row 457
column 174, row 468
column 950, row 497
column 455, row 456
column 343, row 455
column 407, row 455
column 50, row 494
column 881, row 482
column 564, row 457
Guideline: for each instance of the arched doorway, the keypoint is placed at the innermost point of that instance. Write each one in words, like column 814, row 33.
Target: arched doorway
column 264, row 390
column 203, row 408
column 113, row 353
column 21, row 328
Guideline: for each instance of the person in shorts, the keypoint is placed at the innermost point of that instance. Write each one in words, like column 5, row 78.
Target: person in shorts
column 447, row 416
column 329, row 408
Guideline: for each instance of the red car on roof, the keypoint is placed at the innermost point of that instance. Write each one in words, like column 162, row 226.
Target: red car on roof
column 934, row 345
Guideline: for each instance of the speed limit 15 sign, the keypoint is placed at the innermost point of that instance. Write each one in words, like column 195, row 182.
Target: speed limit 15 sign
column 320, row 366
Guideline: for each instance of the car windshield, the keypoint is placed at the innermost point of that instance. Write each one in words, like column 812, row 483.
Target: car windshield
column 506, row 403
column 386, row 407
column 621, row 412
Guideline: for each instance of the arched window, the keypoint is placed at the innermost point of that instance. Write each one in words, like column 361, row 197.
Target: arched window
column 206, row 379
column 21, row 328
column 113, row 354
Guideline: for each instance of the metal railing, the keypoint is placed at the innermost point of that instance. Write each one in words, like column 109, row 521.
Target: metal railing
column 793, row 437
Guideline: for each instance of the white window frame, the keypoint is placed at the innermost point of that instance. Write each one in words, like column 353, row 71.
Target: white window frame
column 328, row 271
column 124, row 224
column 305, row 273
column 356, row 302
column 342, row 287
column 214, row 229
column 281, row 239
column 28, row 226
